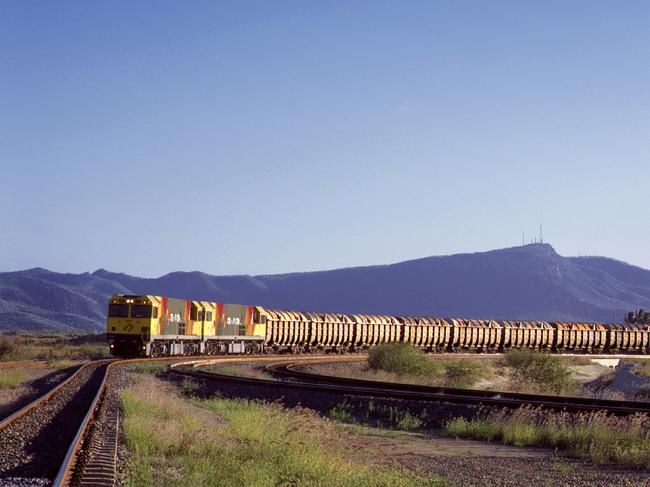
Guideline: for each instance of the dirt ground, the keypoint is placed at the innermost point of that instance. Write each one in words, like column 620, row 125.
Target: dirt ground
column 476, row 463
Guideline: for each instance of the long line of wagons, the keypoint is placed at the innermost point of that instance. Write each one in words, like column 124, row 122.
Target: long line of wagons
column 160, row 326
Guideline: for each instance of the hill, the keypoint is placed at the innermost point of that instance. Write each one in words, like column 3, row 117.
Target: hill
column 528, row 282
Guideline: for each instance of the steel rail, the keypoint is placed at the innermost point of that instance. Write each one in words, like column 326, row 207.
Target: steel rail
column 68, row 464
column 288, row 369
column 361, row 389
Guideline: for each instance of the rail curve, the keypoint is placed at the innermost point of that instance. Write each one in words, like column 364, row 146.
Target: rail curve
column 308, row 382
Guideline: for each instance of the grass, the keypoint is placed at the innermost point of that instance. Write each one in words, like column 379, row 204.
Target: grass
column 594, row 437
column 368, row 413
column 51, row 348
column 533, row 371
column 230, row 371
column 148, row 367
column 464, row 373
column 642, row 368
column 402, row 358
column 11, row 378
column 232, row 442
column 403, row 362
column 342, row 412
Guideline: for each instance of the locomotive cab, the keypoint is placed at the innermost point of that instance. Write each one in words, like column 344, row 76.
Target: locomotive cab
column 131, row 322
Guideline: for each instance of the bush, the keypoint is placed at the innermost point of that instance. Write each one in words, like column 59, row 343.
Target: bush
column 463, row 373
column 7, row 346
column 342, row 412
column 544, row 371
column 402, row 358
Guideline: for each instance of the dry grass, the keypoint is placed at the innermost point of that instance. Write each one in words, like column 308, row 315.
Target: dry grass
column 595, row 437
column 50, row 348
column 642, row 368
column 149, row 367
column 174, row 442
column 10, row 378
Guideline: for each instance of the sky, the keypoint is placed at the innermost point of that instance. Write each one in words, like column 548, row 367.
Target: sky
column 264, row 137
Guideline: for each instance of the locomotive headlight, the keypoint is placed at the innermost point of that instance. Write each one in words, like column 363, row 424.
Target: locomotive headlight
column 112, row 345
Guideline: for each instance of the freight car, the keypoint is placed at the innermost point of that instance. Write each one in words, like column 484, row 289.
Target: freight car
column 157, row 326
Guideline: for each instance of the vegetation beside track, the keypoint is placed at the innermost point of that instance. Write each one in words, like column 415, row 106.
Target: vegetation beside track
column 372, row 414
column 409, row 364
column 52, row 348
column 10, row 378
column 594, row 437
column 402, row 358
column 179, row 441
column 532, row 371
column 520, row 370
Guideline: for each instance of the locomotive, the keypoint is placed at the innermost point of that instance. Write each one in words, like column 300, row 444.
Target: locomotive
column 156, row 326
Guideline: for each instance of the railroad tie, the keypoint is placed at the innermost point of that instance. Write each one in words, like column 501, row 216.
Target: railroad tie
column 100, row 468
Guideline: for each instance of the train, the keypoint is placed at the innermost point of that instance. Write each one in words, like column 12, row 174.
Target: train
column 158, row 326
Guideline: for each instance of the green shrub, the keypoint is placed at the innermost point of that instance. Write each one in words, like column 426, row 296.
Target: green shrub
column 402, row 358
column 7, row 346
column 542, row 370
column 342, row 412
column 463, row 373
column 406, row 421
column 189, row 386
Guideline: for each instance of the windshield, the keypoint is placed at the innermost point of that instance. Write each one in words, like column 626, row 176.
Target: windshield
column 140, row 311
column 118, row 310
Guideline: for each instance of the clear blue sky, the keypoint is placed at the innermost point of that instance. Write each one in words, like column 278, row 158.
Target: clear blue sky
column 263, row 137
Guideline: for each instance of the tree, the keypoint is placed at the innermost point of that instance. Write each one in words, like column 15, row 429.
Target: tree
column 639, row 316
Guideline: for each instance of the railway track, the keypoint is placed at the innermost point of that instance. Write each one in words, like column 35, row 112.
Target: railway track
column 308, row 382
column 55, row 441
column 472, row 396
column 39, row 444
column 67, row 436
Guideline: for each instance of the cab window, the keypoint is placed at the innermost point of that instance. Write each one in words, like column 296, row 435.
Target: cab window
column 140, row 311
column 208, row 316
column 118, row 310
column 155, row 311
column 193, row 314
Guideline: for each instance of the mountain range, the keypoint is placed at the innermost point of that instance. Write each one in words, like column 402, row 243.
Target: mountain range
column 527, row 282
